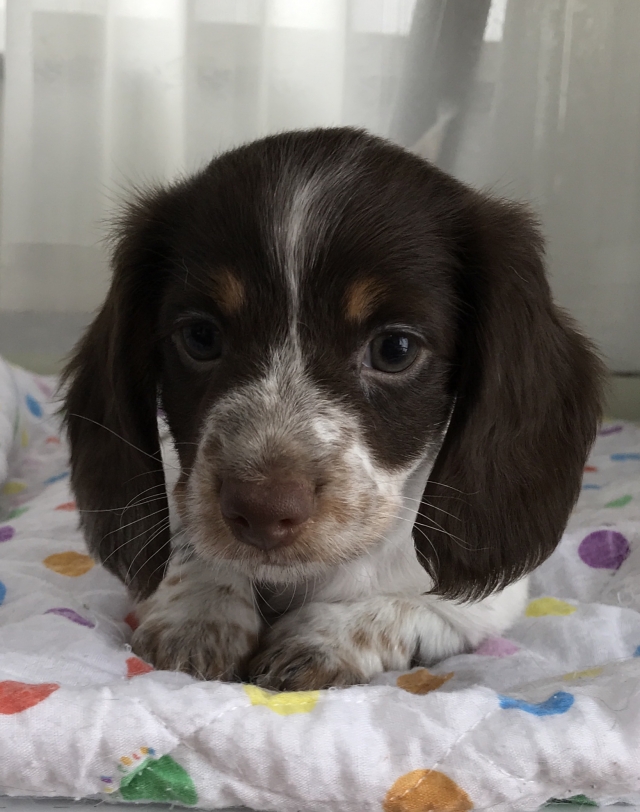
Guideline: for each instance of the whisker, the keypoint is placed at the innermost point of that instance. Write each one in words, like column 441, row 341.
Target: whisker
column 146, row 490
column 461, row 542
column 129, row 539
column 433, row 521
column 155, row 569
column 445, row 485
column 435, row 552
column 144, row 547
column 291, row 599
column 446, row 512
column 424, row 557
column 120, row 437
column 150, row 472
column 306, row 592
column 435, row 507
column 435, row 526
column 135, row 521
column 256, row 596
column 122, row 510
column 435, row 496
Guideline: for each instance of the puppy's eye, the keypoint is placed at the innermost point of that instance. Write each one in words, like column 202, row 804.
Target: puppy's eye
column 391, row 352
column 201, row 340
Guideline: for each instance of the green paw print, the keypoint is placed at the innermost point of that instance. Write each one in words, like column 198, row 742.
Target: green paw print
column 147, row 778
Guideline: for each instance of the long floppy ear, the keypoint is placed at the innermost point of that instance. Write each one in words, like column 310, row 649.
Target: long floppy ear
column 110, row 411
column 529, row 391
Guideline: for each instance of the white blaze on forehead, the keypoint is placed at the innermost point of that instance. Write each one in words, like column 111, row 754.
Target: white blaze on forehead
column 308, row 205
column 294, row 228
column 284, row 374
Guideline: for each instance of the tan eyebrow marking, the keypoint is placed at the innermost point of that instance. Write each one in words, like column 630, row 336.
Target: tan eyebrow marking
column 361, row 299
column 228, row 291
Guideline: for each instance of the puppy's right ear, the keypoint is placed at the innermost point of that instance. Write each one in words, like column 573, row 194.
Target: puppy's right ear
column 110, row 409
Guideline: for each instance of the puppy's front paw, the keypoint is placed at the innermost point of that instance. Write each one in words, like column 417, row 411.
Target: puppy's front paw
column 324, row 645
column 218, row 649
column 291, row 664
column 195, row 623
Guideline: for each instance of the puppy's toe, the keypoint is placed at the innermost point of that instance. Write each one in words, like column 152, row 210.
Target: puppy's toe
column 298, row 667
column 200, row 653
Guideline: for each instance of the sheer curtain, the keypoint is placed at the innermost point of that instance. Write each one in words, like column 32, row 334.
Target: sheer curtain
column 536, row 99
column 105, row 94
column 554, row 119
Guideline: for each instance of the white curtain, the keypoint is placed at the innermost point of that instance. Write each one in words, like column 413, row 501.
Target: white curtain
column 105, row 94
column 536, row 99
column 554, row 119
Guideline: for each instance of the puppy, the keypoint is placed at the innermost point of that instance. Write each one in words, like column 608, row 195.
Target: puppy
column 380, row 417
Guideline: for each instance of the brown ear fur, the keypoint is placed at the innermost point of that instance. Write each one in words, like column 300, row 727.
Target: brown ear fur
column 529, row 391
column 111, row 412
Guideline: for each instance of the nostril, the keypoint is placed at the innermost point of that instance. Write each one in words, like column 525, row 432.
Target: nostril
column 240, row 520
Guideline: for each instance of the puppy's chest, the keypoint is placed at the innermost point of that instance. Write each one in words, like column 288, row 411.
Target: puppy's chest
column 275, row 600
column 393, row 569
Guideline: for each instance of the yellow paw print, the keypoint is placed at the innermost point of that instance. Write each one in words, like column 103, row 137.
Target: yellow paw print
column 285, row 703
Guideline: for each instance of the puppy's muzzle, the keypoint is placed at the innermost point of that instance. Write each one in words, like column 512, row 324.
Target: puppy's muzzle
column 267, row 514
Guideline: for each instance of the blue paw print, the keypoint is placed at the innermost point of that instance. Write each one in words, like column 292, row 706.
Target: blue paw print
column 560, row 702
column 56, row 478
column 34, row 407
column 3, row 592
column 623, row 457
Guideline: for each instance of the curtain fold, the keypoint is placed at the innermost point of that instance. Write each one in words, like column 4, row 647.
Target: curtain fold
column 535, row 99
column 103, row 95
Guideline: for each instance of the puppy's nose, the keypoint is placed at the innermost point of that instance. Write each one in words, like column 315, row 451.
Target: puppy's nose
column 266, row 514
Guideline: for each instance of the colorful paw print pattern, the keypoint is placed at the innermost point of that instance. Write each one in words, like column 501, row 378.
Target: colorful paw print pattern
column 72, row 615
column 33, row 406
column 284, row 704
column 136, row 667
column 143, row 777
column 422, row 681
column 617, row 457
column 431, row 790
column 575, row 800
column 543, row 607
column 69, row 563
column 16, row 697
column 497, row 647
column 150, row 774
column 604, row 549
column 426, row 791
column 7, row 532
column 557, row 703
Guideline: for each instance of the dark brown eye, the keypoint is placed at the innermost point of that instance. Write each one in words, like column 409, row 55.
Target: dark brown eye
column 202, row 340
column 391, row 352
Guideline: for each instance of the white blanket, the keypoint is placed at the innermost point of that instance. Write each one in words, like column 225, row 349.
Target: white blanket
column 551, row 710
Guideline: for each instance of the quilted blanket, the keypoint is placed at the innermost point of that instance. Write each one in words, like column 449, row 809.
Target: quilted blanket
column 551, row 710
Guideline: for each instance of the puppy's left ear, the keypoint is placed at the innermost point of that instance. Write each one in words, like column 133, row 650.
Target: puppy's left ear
column 528, row 393
column 111, row 407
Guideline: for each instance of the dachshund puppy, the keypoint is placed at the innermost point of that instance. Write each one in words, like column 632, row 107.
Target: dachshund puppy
column 380, row 417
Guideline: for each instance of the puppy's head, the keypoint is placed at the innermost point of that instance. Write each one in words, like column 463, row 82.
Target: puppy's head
column 325, row 319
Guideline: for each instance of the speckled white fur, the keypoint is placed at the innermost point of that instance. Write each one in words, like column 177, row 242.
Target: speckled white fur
column 348, row 614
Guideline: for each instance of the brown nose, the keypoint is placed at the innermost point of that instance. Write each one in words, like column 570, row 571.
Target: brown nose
column 266, row 514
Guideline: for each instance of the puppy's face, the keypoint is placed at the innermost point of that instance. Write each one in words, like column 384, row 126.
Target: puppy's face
column 317, row 311
column 305, row 335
